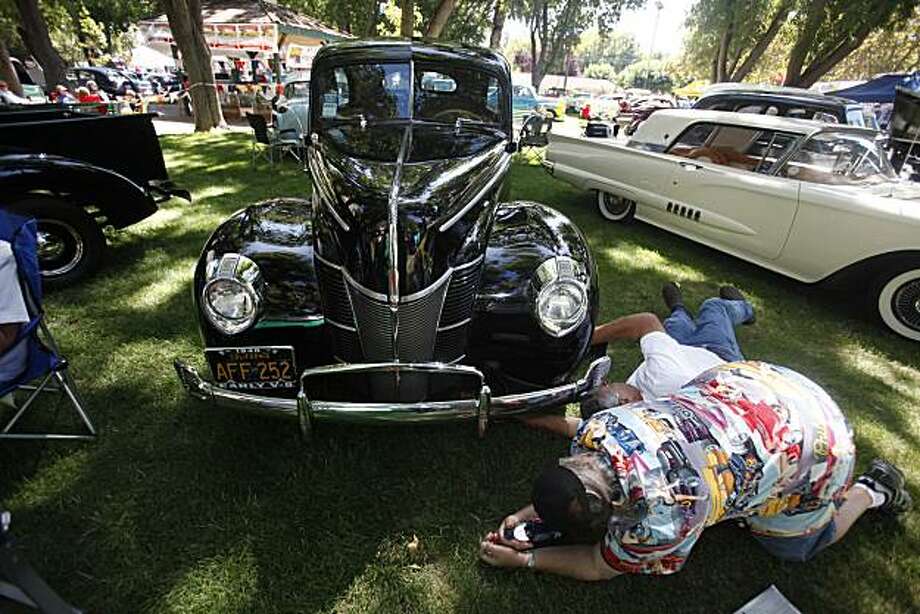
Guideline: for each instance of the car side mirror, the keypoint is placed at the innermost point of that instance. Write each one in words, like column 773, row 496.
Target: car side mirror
column 511, row 147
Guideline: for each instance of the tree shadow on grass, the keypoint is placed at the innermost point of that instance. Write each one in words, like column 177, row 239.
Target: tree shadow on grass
column 183, row 507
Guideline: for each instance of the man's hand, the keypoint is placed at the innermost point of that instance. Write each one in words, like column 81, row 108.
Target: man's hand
column 508, row 524
column 499, row 555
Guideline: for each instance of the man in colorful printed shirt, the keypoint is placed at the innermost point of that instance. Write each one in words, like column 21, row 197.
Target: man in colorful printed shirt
column 743, row 440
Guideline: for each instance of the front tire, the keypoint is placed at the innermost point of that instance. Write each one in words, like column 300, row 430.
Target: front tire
column 899, row 303
column 615, row 208
column 70, row 242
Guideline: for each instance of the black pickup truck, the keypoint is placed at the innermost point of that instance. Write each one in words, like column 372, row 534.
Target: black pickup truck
column 77, row 173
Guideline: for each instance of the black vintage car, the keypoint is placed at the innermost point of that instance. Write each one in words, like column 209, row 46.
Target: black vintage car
column 405, row 288
column 77, row 173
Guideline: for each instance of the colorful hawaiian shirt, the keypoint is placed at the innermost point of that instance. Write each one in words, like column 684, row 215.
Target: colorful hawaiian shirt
column 744, row 439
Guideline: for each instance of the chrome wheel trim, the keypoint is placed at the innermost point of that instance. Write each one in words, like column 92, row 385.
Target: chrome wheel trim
column 612, row 207
column 58, row 241
column 899, row 304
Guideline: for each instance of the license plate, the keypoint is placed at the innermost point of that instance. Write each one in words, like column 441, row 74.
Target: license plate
column 253, row 368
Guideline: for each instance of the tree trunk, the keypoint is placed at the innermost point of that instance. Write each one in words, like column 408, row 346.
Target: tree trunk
column 536, row 65
column 407, row 22
column 724, row 42
column 806, row 39
column 7, row 71
column 34, row 33
column 821, row 66
column 779, row 18
column 374, row 20
column 186, row 24
column 440, row 17
column 498, row 23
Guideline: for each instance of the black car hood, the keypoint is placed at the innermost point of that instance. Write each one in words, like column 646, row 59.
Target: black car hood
column 442, row 212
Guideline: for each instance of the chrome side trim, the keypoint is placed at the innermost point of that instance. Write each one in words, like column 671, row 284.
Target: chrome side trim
column 393, row 240
column 341, row 326
column 456, row 325
column 319, row 177
column 498, row 174
column 483, row 407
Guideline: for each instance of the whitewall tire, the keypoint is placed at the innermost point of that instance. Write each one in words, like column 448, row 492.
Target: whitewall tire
column 899, row 304
column 615, row 208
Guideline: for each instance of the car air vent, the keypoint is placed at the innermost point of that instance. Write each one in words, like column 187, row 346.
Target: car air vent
column 684, row 211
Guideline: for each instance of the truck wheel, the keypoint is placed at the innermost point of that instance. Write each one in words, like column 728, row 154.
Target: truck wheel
column 899, row 302
column 615, row 208
column 70, row 242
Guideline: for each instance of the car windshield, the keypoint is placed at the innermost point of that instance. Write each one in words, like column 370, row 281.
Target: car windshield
column 369, row 93
column 858, row 116
column 297, row 89
column 840, row 158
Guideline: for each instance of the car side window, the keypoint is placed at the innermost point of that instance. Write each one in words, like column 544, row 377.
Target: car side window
column 754, row 109
column 770, row 147
column 719, row 144
column 692, row 138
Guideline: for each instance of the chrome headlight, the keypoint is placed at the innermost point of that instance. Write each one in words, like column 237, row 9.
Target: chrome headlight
column 231, row 298
column 562, row 296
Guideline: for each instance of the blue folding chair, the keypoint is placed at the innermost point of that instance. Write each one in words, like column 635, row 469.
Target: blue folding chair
column 45, row 370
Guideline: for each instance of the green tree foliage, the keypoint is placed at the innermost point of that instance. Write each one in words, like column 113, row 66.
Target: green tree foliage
column 467, row 22
column 731, row 40
column 830, row 30
column 556, row 25
column 617, row 49
column 653, row 73
column 600, row 71
column 358, row 17
column 895, row 50
column 727, row 38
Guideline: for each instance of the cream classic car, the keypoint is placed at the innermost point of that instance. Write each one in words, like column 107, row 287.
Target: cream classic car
column 816, row 202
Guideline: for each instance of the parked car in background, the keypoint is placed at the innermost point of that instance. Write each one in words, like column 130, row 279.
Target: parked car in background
column 78, row 174
column 815, row 202
column 787, row 102
column 110, row 80
column 292, row 109
column 32, row 81
column 642, row 108
column 525, row 101
column 405, row 288
column 576, row 101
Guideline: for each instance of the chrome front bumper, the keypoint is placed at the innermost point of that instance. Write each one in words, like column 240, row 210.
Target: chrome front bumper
column 310, row 411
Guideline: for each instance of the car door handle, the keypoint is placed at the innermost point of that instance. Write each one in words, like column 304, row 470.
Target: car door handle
column 690, row 166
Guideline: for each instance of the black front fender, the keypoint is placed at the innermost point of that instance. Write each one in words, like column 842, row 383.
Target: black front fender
column 506, row 336
column 121, row 201
column 277, row 235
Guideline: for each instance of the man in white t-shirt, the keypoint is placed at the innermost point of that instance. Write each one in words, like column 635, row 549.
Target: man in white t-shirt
column 680, row 348
column 13, row 315
column 674, row 351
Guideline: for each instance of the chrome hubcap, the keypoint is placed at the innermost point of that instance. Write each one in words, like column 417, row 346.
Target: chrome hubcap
column 60, row 247
column 614, row 204
column 906, row 304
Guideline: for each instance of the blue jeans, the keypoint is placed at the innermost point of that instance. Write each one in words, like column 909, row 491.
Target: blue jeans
column 714, row 327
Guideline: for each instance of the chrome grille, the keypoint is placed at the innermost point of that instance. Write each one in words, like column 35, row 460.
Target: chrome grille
column 433, row 323
column 451, row 344
column 463, row 285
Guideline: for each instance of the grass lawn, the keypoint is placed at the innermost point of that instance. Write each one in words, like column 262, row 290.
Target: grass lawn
column 182, row 508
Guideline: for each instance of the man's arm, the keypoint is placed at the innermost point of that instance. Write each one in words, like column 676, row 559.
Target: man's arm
column 633, row 326
column 560, row 425
column 579, row 562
